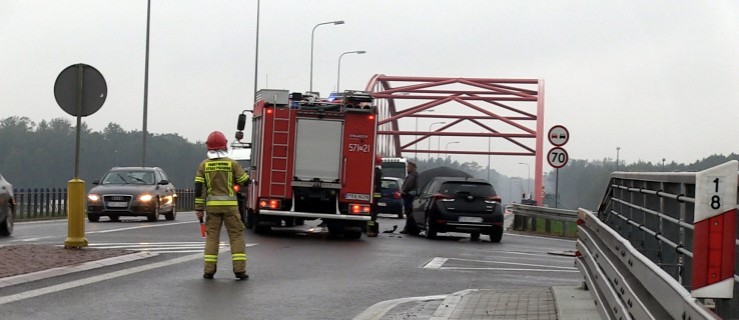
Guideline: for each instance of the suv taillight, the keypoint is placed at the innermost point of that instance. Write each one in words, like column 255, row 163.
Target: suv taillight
column 442, row 197
column 493, row 199
column 396, row 194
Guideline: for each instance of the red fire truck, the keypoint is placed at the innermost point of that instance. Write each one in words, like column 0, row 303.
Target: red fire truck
column 311, row 159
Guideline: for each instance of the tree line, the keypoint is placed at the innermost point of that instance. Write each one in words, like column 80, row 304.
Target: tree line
column 42, row 156
column 579, row 184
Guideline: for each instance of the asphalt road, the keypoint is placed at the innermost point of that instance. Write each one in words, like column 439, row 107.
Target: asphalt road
column 300, row 273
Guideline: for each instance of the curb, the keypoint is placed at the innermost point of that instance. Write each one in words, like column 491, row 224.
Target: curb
column 28, row 277
column 380, row 309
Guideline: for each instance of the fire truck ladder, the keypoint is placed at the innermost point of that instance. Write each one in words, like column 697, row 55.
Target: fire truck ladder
column 278, row 160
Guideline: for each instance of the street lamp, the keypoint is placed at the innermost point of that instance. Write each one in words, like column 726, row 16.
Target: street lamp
column 528, row 182
column 431, row 110
column 146, row 86
column 617, row 150
column 338, row 73
column 489, row 160
column 447, row 148
column 431, row 125
column 312, row 33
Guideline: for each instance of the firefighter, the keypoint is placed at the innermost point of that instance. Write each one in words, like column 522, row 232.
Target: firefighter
column 215, row 195
column 372, row 226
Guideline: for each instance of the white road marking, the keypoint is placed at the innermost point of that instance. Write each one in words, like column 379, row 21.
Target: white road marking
column 516, row 263
column 435, row 263
column 95, row 279
column 106, row 231
column 162, row 247
column 438, row 263
column 103, row 277
column 142, row 227
column 508, row 269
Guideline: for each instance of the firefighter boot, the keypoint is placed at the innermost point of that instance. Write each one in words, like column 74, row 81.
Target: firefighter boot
column 239, row 265
column 209, row 272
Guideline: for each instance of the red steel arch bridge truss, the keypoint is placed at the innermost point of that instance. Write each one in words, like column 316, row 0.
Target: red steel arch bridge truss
column 484, row 116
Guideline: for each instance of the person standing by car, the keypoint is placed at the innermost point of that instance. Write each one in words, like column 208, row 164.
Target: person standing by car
column 214, row 195
column 372, row 227
column 409, row 184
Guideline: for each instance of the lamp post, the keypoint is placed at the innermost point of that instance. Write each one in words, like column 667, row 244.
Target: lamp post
column 146, row 85
column 431, row 125
column 447, row 148
column 528, row 182
column 432, row 110
column 338, row 72
column 312, row 34
column 489, row 160
column 617, row 150
column 663, row 164
column 256, row 53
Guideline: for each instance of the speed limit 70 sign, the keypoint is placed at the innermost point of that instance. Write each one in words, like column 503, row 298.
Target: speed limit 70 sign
column 557, row 157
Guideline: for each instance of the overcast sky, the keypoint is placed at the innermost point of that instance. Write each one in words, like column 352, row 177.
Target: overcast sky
column 659, row 79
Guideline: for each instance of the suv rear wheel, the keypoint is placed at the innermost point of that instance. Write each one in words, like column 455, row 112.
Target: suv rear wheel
column 430, row 229
column 496, row 234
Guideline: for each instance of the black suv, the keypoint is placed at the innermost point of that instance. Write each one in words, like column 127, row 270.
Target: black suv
column 466, row 205
column 132, row 191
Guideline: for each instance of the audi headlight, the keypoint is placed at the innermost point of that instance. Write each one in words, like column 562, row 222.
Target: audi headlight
column 145, row 197
column 93, row 197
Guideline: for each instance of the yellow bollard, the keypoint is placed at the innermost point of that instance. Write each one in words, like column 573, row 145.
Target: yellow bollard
column 75, row 214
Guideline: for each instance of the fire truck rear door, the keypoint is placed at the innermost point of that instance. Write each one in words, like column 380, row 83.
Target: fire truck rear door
column 318, row 149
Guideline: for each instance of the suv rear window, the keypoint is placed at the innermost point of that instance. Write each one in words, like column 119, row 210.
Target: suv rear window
column 475, row 189
column 390, row 184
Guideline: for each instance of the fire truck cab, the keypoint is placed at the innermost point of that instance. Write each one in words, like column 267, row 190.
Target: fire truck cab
column 311, row 159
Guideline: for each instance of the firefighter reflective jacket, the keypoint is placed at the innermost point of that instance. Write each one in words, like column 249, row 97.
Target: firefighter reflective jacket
column 214, row 182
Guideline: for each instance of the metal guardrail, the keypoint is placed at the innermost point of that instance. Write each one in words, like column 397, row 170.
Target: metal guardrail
column 624, row 283
column 40, row 203
column 526, row 218
column 51, row 203
column 636, row 252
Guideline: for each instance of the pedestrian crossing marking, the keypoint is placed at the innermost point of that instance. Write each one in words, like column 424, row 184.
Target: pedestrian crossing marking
column 163, row 247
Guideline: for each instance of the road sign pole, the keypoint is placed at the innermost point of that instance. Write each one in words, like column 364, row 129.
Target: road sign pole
column 80, row 91
column 556, row 187
column 76, row 186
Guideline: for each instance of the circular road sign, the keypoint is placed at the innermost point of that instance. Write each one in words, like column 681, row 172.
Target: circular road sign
column 67, row 88
column 558, row 135
column 557, row 157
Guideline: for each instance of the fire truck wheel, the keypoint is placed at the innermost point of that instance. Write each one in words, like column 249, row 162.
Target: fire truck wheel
column 248, row 220
column 333, row 230
column 352, row 234
column 260, row 229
